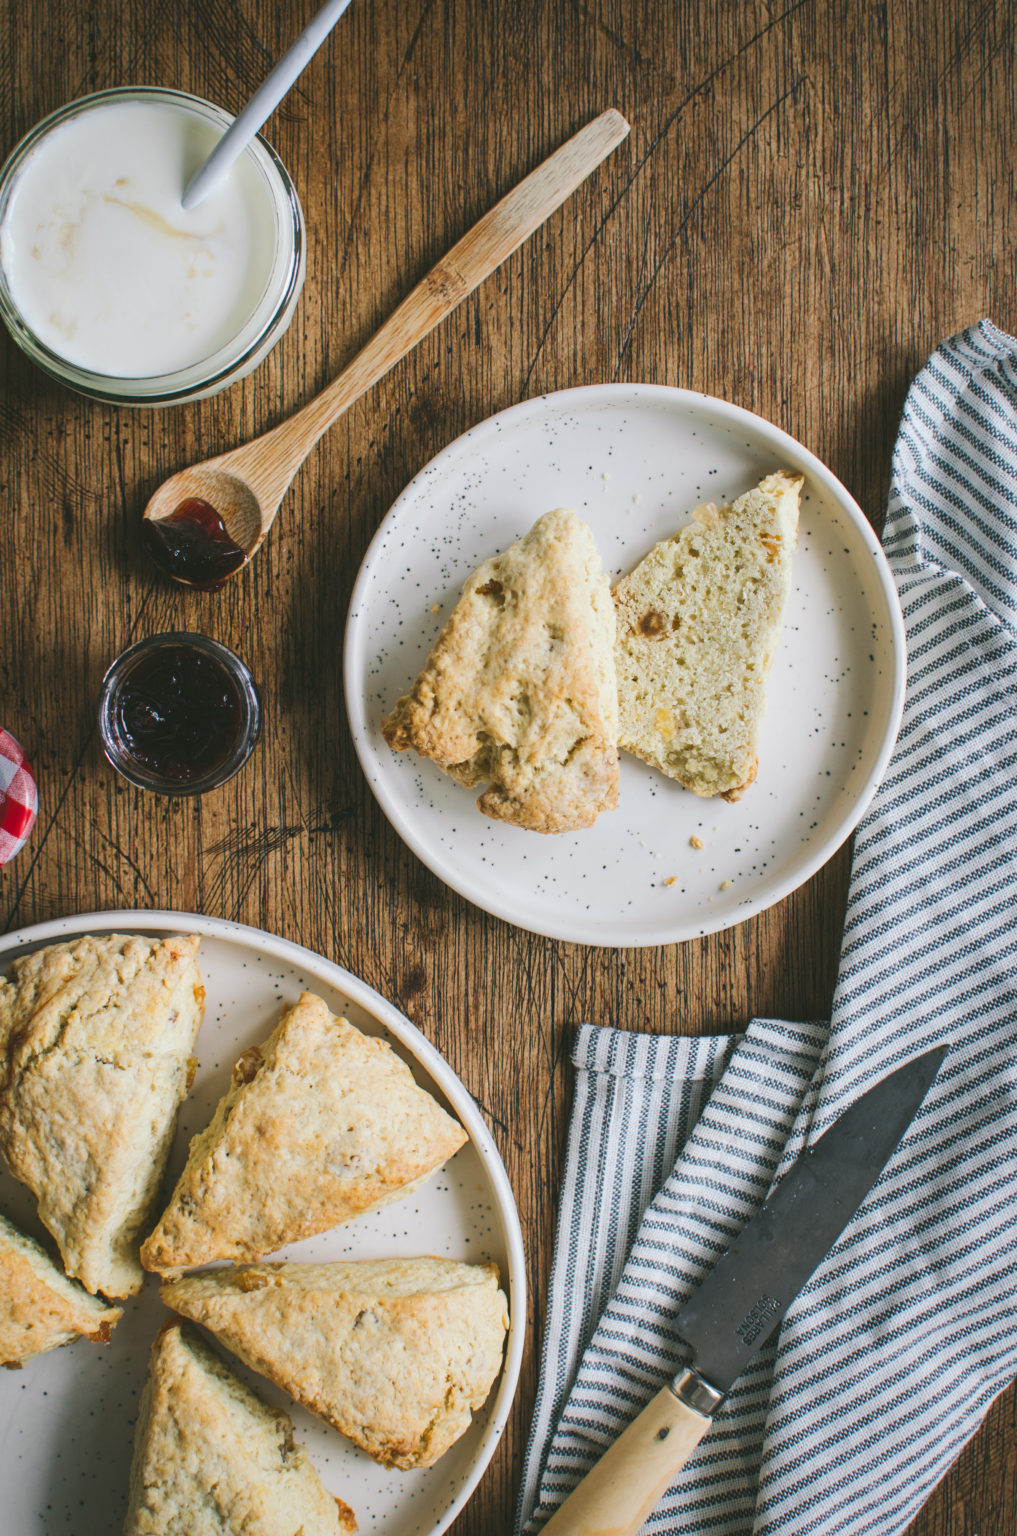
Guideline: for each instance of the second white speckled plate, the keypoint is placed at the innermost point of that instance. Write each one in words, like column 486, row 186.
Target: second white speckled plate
column 67, row 1418
column 634, row 459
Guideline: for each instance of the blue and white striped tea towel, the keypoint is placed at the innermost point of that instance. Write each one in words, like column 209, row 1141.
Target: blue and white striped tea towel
column 887, row 1361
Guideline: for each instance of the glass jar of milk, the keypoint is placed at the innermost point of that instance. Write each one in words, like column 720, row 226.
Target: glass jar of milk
column 109, row 285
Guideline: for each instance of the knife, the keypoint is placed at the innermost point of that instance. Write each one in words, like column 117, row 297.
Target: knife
column 742, row 1301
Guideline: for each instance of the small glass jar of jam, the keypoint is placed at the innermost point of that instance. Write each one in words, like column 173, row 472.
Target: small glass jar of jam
column 179, row 714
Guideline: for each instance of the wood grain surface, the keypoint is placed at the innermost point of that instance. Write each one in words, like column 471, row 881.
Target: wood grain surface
column 811, row 197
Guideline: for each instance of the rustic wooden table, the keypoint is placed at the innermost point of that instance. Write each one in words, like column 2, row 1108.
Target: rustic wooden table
column 811, row 197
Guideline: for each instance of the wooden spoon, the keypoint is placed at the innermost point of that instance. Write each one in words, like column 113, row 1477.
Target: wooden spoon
column 224, row 506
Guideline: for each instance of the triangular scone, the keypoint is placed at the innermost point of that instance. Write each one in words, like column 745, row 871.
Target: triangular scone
column 96, row 1038
column 318, row 1124
column 210, row 1459
column 519, row 690
column 698, row 625
column 40, row 1308
column 395, row 1353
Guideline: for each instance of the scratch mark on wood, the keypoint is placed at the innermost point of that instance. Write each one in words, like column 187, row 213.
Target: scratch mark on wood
column 696, row 203
column 641, row 164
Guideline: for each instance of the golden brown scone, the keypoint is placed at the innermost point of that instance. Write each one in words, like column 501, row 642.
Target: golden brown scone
column 395, row 1353
column 96, row 1038
column 519, row 690
column 210, row 1459
column 698, row 624
column 319, row 1124
column 40, row 1308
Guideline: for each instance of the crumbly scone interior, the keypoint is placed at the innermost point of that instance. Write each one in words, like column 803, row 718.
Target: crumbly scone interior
column 698, row 624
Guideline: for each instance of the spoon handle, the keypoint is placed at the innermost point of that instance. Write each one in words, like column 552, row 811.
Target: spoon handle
column 263, row 103
column 474, row 257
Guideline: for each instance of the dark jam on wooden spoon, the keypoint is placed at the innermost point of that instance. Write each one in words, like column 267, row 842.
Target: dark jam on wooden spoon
column 179, row 713
column 192, row 544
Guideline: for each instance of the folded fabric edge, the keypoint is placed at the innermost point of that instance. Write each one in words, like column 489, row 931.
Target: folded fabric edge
column 602, row 1048
column 764, row 1073
column 619, row 1074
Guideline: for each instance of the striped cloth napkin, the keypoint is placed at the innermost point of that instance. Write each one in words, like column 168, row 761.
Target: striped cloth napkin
column 888, row 1360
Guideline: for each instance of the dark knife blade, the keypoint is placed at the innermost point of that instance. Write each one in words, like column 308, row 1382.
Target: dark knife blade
column 745, row 1296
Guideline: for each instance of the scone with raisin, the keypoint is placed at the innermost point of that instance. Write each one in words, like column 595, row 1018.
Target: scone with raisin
column 519, row 691
column 40, row 1309
column 698, row 624
column 210, row 1457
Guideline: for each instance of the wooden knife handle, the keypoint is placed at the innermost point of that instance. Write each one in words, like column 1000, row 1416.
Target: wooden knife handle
column 619, row 1493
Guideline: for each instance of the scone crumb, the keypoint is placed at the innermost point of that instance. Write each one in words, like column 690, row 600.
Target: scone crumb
column 671, row 880
column 435, row 607
column 726, row 885
column 696, row 842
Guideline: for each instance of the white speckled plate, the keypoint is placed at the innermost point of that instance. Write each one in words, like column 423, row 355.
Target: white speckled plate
column 634, row 459
column 67, row 1419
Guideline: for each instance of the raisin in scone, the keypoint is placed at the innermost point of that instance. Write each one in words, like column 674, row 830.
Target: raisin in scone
column 698, row 624
column 519, row 690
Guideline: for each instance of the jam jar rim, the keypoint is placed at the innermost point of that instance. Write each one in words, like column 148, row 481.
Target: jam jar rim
column 127, row 766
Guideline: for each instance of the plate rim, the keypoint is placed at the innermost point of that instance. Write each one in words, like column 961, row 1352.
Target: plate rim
column 569, row 930
column 420, row 1048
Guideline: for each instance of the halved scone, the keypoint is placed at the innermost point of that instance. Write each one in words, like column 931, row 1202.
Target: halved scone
column 318, row 1125
column 698, row 624
column 40, row 1308
column 519, row 692
column 96, row 1037
column 395, row 1353
column 211, row 1459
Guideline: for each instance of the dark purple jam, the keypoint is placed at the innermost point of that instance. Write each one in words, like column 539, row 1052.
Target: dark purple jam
column 179, row 714
column 192, row 544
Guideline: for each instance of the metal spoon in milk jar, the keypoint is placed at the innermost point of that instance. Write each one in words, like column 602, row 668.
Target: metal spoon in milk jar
column 151, row 247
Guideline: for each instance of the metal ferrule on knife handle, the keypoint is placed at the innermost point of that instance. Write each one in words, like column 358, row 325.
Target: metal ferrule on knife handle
column 696, row 1392
column 618, row 1495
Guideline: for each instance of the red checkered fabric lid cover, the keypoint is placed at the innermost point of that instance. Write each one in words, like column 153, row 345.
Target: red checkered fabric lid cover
column 19, row 798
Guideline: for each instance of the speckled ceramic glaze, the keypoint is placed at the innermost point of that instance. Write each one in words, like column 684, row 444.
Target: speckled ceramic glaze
column 67, row 1419
column 634, row 459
